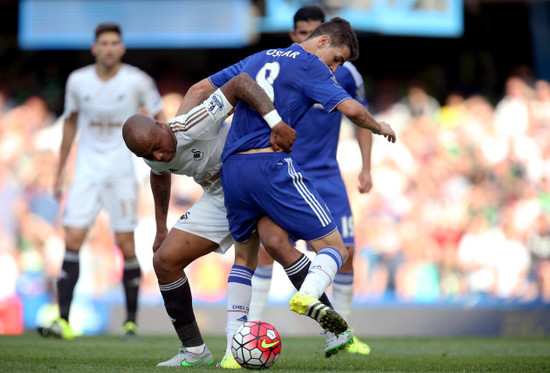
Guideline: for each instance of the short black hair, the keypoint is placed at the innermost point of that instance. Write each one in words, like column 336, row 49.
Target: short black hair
column 341, row 34
column 309, row 13
column 107, row 27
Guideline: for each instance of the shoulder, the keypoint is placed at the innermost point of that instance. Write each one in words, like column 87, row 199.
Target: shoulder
column 134, row 71
column 349, row 71
column 84, row 72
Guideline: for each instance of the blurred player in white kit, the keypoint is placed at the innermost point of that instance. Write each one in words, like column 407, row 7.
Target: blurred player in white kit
column 98, row 99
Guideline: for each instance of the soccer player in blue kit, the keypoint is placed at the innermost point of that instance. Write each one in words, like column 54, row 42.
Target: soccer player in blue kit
column 315, row 151
column 259, row 182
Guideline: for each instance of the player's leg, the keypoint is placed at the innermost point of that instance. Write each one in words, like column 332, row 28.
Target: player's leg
column 66, row 283
column 342, row 292
column 121, row 200
column 297, row 266
column 265, row 183
column 261, row 282
column 342, row 287
column 131, row 279
column 333, row 190
column 177, row 251
column 279, row 245
column 70, row 269
column 239, row 292
column 81, row 209
column 291, row 201
column 201, row 230
column 239, row 286
column 330, row 257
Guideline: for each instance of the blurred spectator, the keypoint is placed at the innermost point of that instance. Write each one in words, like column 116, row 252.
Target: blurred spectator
column 476, row 256
column 512, row 111
column 539, row 246
column 512, row 261
column 419, row 103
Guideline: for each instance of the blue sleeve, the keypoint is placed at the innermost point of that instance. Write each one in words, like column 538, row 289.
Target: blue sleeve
column 225, row 75
column 322, row 87
column 352, row 81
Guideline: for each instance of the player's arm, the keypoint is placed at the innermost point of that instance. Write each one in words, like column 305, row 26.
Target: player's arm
column 359, row 115
column 243, row 87
column 195, row 95
column 69, row 134
column 160, row 186
column 364, row 139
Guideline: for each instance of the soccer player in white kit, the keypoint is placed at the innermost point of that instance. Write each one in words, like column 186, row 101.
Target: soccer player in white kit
column 98, row 99
column 191, row 144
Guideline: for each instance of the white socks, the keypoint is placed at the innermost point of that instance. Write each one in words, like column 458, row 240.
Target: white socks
column 342, row 293
column 261, row 282
column 322, row 272
column 239, row 290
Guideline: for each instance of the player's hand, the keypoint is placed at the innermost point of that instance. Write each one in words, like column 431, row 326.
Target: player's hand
column 159, row 238
column 282, row 137
column 386, row 131
column 365, row 181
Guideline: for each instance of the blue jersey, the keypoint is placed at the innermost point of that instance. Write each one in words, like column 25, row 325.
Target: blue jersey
column 318, row 132
column 294, row 79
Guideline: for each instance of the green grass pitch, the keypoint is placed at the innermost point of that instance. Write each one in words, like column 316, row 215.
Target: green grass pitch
column 31, row 353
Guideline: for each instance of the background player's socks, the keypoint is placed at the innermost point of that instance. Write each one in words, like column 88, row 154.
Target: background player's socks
column 70, row 270
column 131, row 278
column 342, row 292
column 261, row 282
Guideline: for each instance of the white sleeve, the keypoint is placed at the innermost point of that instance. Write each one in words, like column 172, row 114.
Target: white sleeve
column 71, row 97
column 150, row 96
column 152, row 166
column 203, row 118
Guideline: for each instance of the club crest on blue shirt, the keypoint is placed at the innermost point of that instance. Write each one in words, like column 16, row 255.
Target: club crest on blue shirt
column 336, row 84
column 214, row 104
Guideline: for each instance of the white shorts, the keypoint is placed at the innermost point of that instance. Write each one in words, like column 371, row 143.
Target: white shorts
column 87, row 198
column 207, row 218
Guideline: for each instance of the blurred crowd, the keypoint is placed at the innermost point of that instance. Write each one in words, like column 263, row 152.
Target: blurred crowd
column 459, row 210
column 460, row 205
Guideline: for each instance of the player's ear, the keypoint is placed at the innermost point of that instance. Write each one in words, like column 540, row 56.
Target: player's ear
column 324, row 41
column 160, row 125
column 292, row 35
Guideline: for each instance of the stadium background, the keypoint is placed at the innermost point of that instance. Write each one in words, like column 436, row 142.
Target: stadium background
column 460, row 168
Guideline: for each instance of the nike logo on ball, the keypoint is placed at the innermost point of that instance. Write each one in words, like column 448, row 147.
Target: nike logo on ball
column 268, row 345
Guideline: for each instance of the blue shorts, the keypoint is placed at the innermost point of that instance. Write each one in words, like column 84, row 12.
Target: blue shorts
column 331, row 187
column 272, row 184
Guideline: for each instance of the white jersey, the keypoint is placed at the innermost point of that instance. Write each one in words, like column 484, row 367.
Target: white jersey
column 102, row 108
column 200, row 136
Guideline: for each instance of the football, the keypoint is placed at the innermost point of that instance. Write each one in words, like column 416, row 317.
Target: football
column 256, row 345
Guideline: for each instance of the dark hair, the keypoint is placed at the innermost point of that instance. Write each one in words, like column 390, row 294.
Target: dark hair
column 107, row 27
column 341, row 34
column 309, row 13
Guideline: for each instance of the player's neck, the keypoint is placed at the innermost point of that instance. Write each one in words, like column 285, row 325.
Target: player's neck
column 309, row 46
column 106, row 72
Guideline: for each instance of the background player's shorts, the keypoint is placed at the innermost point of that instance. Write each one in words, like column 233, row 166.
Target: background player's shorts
column 207, row 218
column 331, row 187
column 87, row 198
column 272, row 184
